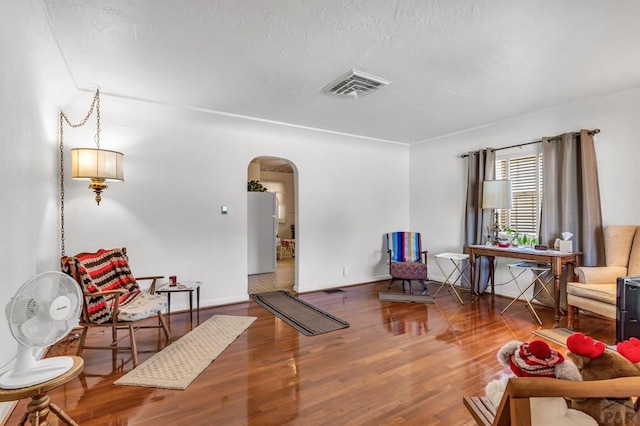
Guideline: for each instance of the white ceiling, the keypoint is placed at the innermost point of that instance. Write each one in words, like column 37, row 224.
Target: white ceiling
column 453, row 64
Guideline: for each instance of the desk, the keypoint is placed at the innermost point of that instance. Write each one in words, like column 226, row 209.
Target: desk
column 40, row 404
column 181, row 287
column 557, row 259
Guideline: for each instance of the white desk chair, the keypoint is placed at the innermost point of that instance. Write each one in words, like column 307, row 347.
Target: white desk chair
column 460, row 264
column 538, row 270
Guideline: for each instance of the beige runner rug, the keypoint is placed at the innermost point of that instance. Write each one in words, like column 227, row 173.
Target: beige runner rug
column 177, row 365
column 555, row 335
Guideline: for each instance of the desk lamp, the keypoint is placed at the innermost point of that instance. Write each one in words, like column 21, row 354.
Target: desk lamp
column 496, row 194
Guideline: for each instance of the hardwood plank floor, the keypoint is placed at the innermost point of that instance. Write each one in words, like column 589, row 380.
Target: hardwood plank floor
column 397, row 363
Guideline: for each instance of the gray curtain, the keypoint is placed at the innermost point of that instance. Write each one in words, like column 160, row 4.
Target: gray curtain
column 481, row 166
column 571, row 196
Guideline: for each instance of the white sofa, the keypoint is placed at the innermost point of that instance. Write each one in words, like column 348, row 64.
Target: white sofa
column 595, row 290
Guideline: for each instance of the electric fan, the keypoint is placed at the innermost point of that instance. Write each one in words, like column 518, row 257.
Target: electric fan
column 43, row 311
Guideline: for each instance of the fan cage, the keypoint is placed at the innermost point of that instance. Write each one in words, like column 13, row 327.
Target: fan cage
column 32, row 302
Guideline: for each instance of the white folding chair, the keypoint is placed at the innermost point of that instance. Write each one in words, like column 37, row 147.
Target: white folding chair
column 538, row 270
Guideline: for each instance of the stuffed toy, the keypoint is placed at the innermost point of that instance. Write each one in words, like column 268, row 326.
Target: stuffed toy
column 597, row 362
column 537, row 359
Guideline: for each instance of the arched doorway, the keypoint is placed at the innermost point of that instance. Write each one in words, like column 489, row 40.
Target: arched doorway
column 279, row 177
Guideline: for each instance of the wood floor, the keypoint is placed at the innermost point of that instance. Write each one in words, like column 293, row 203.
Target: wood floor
column 397, row 363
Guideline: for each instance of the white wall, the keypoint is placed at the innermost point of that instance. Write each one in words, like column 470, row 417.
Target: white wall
column 438, row 174
column 32, row 77
column 181, row 166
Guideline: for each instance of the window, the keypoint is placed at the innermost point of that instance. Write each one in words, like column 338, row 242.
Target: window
column 525, row 174
column 278, row 189
column 281, row 211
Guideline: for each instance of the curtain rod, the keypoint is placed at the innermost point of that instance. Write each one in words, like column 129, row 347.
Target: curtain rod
column 591, row 133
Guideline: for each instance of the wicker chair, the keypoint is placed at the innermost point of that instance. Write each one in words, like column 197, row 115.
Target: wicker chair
column 113, row 299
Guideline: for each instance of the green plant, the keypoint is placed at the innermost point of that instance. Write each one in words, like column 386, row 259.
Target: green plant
column 523, row 240
column 512, row 234
column 255, row 186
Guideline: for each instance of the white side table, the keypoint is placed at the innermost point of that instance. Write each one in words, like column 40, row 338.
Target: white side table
column 460, row 264
column 538, row 269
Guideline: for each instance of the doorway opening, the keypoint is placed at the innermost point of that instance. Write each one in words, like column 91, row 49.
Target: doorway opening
column 272, row 253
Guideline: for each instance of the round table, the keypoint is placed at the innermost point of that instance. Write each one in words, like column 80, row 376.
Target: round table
column 40, row 404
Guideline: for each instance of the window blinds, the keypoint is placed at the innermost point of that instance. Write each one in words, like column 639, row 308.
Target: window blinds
column 525, row 174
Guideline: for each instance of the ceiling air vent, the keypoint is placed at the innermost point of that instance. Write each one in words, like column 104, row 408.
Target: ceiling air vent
column 355, row 84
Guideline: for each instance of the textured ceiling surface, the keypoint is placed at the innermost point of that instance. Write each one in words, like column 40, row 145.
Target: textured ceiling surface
column 453, row 64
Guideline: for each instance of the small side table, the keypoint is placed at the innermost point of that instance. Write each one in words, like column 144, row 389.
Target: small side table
column 40, row 404
column 460, row 264
column 538, row 269
column 179, row 288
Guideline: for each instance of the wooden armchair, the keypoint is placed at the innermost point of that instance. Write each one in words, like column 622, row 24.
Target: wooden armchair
column 407, row 261
column 112, row 298
column 515, row 409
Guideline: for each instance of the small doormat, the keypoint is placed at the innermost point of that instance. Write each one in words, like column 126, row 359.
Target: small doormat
column 177, row 365
column 555, row 335
column 404, row 297
column 302, row 316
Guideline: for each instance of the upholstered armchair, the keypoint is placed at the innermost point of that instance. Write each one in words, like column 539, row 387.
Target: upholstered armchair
column 595, row 290
column 407, row 260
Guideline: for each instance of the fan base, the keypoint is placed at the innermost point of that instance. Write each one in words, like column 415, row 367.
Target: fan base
column 43, row 370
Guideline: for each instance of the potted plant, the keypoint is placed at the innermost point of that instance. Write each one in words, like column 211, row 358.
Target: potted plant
column 523, row 240
column 503, row 239
column 512, row 235
column 255, row 186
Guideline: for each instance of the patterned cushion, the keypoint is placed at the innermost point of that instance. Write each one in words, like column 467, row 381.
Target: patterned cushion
column 102, row 271
column 143, row 305
column 408, row 270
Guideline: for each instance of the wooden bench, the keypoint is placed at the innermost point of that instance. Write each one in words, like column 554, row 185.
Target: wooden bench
column 482, row 410
column 514, row 407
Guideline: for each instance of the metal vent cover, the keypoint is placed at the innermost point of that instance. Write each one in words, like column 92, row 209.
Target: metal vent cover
column 355, row 84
